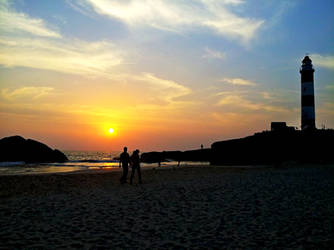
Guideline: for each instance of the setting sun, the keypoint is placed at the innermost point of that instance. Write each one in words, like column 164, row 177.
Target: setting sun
column 111, row 130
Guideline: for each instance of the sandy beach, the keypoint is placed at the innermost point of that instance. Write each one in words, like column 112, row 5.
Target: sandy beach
column 182, row 208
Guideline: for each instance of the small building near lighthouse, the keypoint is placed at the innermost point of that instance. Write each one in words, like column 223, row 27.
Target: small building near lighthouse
column 307, row 95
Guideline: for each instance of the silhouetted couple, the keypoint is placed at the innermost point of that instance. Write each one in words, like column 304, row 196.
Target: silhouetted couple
column 134, row 161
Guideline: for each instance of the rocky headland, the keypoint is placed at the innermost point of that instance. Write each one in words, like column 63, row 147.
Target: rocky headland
column 267, row 147
column 16, row 148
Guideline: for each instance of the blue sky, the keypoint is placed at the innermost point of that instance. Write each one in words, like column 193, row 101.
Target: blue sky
column 222, row 69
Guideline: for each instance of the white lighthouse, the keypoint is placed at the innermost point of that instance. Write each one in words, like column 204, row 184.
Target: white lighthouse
column 307, row 91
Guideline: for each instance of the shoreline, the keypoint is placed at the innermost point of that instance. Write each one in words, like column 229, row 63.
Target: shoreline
column 50, row 168
column 57, row 182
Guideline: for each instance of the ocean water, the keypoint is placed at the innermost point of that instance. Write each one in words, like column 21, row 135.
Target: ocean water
column 78, row 160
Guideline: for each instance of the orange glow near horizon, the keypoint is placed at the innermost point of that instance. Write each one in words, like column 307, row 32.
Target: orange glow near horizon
column 145, row 128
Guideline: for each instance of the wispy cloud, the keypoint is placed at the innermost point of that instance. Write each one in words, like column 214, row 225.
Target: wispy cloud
column 74, row 56
column 69, row 56
column 80, row 6
column 325, row 61
column 167, row 84
column 44, row 48
column 281, row 10
column 240, row 102
column 268, row 96
column 30, row 92
column 238, row 81
column 235, row 2
column 13, row 22
column 329, row 87
column 178, row 16
column 82, row 58
column 328, row 108
column 213, row 54
column 166, row 89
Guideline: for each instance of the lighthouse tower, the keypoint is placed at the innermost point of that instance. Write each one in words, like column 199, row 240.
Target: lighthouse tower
column 307, row 84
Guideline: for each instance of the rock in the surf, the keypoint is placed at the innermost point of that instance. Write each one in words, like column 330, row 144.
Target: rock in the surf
column 16, row 148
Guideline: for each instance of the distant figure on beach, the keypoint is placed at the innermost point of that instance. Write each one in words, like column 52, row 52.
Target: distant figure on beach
column 201, row 146
column 124, row 161
column 135, row 163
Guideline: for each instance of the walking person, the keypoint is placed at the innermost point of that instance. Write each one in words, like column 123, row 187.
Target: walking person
column 135, row 163
column 124, row 161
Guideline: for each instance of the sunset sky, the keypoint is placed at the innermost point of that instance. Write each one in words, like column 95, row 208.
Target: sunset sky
column 164, row 74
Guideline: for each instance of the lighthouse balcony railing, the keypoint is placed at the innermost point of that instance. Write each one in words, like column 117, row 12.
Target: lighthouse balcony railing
column 306, row 67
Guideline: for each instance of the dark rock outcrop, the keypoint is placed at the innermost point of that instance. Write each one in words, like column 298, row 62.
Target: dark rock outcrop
column 274, row 147
column 16, row 148
column 197, row 155
column 152, row 157
column 190, row 155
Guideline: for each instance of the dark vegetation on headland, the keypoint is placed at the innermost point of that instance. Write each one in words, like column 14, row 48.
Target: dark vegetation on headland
column 267, row 147
column 16, row 148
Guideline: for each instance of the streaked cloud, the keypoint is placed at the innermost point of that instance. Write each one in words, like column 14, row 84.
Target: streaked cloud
column 46, row 49
column 13, row 22
column 80, row 6
column 82, row 58
column 328, row 108
column 232, row 123
column 148, row 90
column 213, row 54
column 30, row 92
column 239, row 102
column 329, row 87
column 235, row 2
column 167, row 85
column 66, row 56
column 239, row 81
column 177, row 16
column 325, row 61
column 266, row 95
column 74, row 56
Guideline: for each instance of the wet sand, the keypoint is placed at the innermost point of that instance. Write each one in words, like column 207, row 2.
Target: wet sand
column 181, row 208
